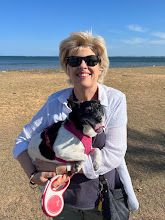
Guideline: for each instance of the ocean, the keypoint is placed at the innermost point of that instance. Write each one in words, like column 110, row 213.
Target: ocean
column 32, row 63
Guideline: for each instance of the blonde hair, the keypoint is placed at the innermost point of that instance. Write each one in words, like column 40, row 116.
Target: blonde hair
column 85, row 39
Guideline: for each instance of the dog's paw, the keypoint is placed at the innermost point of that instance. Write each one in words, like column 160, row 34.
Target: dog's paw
column 96, row 165
column 77, row 166
column 96, row 158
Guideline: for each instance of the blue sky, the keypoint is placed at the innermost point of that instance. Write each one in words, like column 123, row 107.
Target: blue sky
column 36, row 27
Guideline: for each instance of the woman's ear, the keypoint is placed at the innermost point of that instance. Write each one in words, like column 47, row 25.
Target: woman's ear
column 101, row 69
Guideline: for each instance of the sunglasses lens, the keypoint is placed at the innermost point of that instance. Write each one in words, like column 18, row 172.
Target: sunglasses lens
column 91, row 60
column 75, row 61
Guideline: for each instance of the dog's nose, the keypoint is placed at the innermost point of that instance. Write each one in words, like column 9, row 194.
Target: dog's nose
column 99, row 118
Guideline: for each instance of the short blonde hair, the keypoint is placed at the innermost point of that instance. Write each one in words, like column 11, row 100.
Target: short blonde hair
column 85, row 39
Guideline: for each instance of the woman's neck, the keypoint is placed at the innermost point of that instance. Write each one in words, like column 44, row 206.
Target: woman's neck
column 86, row 94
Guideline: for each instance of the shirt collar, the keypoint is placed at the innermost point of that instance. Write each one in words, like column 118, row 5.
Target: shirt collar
column 64, row 96
column 102, row 96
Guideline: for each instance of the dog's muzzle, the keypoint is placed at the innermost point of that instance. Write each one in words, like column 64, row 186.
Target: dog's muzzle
column 98, row 128
column 92, row 132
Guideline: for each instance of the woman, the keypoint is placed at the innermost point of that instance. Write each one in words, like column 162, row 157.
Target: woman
column 84, row 59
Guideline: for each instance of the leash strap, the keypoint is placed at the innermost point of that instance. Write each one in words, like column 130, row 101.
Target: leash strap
column 104, row 199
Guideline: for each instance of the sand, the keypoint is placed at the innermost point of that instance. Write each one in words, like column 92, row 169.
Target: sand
column 22, row 93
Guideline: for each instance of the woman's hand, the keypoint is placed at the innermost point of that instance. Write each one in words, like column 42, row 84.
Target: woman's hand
column 47, row 170
column 41, row 178
column 60, row 180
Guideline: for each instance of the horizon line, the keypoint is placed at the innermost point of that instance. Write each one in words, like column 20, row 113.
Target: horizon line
column 58, row 56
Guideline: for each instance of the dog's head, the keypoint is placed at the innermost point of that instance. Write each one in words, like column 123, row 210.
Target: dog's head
column 87, row 116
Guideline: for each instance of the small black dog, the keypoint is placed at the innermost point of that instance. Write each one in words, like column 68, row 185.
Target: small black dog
column 69, row 140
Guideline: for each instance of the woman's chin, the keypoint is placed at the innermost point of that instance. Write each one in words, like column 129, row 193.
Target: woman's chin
column 86, row 83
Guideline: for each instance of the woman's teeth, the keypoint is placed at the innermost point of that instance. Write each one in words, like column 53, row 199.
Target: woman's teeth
column 85, row 74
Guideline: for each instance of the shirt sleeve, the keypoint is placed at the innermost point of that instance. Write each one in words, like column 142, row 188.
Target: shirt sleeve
column 38, row 122
column 115, row 144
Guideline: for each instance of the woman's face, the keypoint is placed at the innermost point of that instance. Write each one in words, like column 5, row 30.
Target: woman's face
column 84, row 76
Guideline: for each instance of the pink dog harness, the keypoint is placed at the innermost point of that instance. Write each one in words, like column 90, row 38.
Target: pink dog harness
column 86, row 141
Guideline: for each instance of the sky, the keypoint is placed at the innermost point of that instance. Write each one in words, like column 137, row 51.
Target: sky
column 36, row 27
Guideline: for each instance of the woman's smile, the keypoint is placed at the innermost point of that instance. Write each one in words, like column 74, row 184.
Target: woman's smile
column 83, row 75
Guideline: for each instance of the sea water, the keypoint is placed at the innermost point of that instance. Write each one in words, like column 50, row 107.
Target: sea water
column 32, row 63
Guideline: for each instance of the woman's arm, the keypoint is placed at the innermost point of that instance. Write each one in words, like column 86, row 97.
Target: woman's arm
column 116, row 139
column 39, row 178
column 44, row 172
column 26, row 163
column 36, row 125
column 42, row 119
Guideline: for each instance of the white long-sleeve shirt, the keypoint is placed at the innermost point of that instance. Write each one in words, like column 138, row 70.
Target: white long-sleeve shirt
column 55, row 109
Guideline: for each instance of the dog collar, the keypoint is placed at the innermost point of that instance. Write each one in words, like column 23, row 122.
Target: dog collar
column 87, row 141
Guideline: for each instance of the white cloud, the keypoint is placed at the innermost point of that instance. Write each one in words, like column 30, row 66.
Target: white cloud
column 136, row 27
column 143, row 41
column 135, row 41
column 157, row 42
column 159, row 34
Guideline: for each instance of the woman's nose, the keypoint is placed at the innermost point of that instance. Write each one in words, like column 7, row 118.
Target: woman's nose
column 83, row 64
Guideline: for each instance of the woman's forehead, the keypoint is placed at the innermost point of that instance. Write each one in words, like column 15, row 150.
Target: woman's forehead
column 81, row 49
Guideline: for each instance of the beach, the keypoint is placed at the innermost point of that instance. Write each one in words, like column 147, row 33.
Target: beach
column 24, row 92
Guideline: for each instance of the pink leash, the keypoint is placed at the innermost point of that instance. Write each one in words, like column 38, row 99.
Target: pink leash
column 52, row 198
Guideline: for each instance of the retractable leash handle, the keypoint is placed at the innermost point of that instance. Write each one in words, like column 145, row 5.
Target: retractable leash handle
column 52, row 198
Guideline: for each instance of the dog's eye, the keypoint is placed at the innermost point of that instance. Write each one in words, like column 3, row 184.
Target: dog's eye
column 99, row 119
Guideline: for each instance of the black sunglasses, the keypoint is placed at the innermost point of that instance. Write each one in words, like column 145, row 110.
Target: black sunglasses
column 75, row 61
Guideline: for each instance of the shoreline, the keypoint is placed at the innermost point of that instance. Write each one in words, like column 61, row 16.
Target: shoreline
column 28, row 63
column 61, row 70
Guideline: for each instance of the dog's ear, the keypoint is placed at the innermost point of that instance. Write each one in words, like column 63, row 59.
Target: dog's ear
column 72, row 104
column 95, row 103
column 98, row 102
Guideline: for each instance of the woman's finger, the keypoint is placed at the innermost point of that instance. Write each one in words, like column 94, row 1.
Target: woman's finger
column 60, row 181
